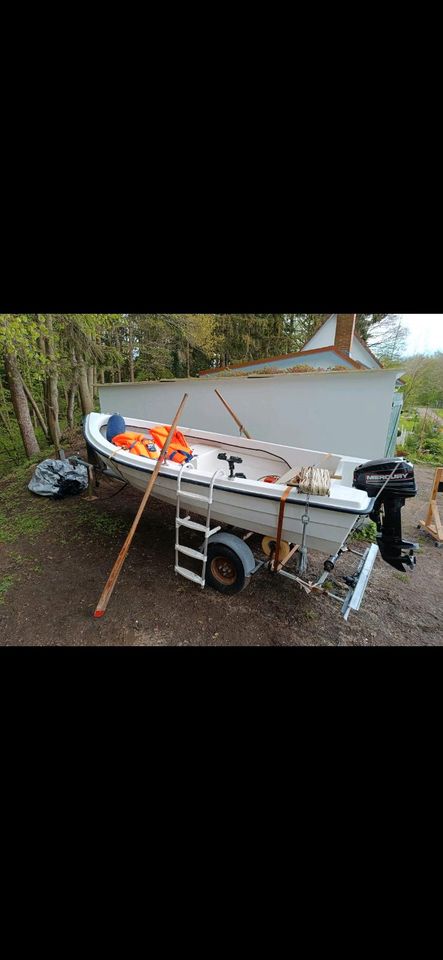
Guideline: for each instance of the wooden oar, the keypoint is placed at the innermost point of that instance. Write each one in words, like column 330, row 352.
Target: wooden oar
column 105, row 597
column 239, row 424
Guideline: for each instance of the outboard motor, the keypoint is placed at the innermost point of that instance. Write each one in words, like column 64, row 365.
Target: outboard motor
column 390, row 481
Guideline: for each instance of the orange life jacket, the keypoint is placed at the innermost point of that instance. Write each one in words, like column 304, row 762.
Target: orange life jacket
column 137, row 443
column 180, row 450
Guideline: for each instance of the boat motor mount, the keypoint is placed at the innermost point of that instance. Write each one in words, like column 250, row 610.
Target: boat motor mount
column 390, row 481
column 231, row 462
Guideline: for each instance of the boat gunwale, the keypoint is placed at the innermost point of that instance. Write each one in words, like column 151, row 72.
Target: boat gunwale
column 261, row 495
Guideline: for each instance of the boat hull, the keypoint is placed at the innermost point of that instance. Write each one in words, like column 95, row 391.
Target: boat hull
column 244, row 501
column 327, row 528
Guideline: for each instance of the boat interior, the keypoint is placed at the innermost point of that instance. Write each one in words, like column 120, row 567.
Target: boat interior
column 245, row 462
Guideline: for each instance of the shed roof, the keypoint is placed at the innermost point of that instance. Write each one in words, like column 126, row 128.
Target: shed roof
column 301, row 355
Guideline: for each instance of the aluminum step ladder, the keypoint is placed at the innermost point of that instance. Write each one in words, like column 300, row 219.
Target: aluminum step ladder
column 193, row 525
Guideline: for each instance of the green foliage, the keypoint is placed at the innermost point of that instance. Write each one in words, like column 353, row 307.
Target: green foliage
column 98, row 523
column 106, row 523
column 19, row 332
column 367, row 533
column 424, row 381
column 424, row 442
column 5, row 585
column 28, row 523
column 406, row 422
column 62, row 357
column 21, row 515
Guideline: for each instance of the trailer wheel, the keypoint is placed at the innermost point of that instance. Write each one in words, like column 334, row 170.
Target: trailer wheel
column 225, row 569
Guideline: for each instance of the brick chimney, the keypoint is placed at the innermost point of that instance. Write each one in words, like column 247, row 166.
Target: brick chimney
column 344, row 332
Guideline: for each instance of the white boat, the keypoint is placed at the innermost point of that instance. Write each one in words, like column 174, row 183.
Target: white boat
column 247, row 502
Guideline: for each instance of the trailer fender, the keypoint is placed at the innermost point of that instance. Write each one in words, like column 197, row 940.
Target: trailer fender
column 238, row 546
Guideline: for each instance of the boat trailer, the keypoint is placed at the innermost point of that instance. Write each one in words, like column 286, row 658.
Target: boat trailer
column 356, row 582
column 229, row 563
column 348, row 592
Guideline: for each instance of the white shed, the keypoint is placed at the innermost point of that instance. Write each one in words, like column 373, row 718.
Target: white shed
column 349, row 412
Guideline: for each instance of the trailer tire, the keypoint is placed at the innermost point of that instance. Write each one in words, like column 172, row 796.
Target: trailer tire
column 225, row 570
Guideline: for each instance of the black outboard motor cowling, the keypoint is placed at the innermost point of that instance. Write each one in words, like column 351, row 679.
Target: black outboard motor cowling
column 390, row 481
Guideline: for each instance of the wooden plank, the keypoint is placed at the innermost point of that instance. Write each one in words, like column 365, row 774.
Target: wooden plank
column 433, row 524
column 428, row 526
column 438, row 522
column 283, row 563
column 290, row 477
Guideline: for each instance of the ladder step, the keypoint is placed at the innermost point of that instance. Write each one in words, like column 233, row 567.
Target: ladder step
column 190, row 575
column 186, row 522
column 191, row 553
column 194, row 496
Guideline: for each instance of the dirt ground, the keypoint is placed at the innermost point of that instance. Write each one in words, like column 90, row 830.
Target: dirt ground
column 427, row 412
column 55, row 557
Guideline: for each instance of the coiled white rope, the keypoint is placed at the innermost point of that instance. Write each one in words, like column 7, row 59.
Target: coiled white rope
column 315, row 481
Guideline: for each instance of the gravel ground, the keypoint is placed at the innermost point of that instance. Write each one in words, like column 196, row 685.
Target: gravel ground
column 427, row 412
column 56, row 556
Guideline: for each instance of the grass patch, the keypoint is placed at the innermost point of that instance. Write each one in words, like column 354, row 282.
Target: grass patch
column 11, row 491
column 102, row 523
column 5, row 584
column 310, row 615
column 329, row 586
column 406, row 424
column 17, row 558
column 401, row 576
column 368, row 533
column 20, row 515
column 27, row 524
column 105, row 523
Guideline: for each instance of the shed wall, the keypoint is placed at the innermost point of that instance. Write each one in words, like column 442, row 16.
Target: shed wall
column 347, row 413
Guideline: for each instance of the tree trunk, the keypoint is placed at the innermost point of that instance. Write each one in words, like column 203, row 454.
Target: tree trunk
column 83, row 386
column 71, row 404
column 131, row 352
column 51, row 388
column 36, row 410
column 70, row 409
column 91, row 382
column 119, row 369
column 20, row 405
